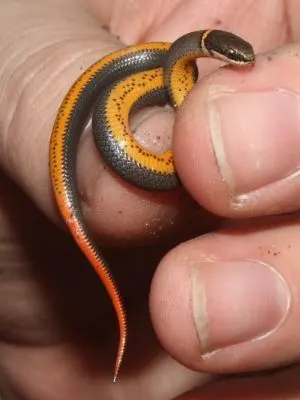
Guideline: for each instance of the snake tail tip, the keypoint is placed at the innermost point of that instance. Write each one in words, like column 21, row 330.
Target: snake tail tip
column 116, row 374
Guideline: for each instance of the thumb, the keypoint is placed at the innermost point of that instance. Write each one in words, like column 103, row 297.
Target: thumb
column 38, row 70
column 240, row 129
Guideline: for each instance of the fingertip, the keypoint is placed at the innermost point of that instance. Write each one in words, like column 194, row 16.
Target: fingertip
column 236, row 139
column 219, row 304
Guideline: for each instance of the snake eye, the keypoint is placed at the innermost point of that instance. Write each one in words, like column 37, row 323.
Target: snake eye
column 232, row 54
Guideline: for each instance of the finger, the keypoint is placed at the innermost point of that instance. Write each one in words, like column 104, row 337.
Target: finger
column 37, row 73
column 282, row 384
column 237, row 138
column 229, row 301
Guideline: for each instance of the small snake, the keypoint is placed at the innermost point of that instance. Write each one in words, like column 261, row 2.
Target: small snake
column 113, row 87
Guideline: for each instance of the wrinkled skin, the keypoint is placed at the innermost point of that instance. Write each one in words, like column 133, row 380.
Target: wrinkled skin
column 58, row 333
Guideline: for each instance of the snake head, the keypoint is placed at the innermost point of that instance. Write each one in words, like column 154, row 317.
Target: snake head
column 228, row 47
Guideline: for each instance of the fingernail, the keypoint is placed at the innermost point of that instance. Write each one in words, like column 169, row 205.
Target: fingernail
column 255, row 136
column 237, row 302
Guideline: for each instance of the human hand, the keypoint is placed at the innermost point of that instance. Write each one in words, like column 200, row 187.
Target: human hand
column 38, row 70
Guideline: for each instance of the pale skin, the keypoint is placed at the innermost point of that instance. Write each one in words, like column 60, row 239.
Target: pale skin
column 236, row 291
